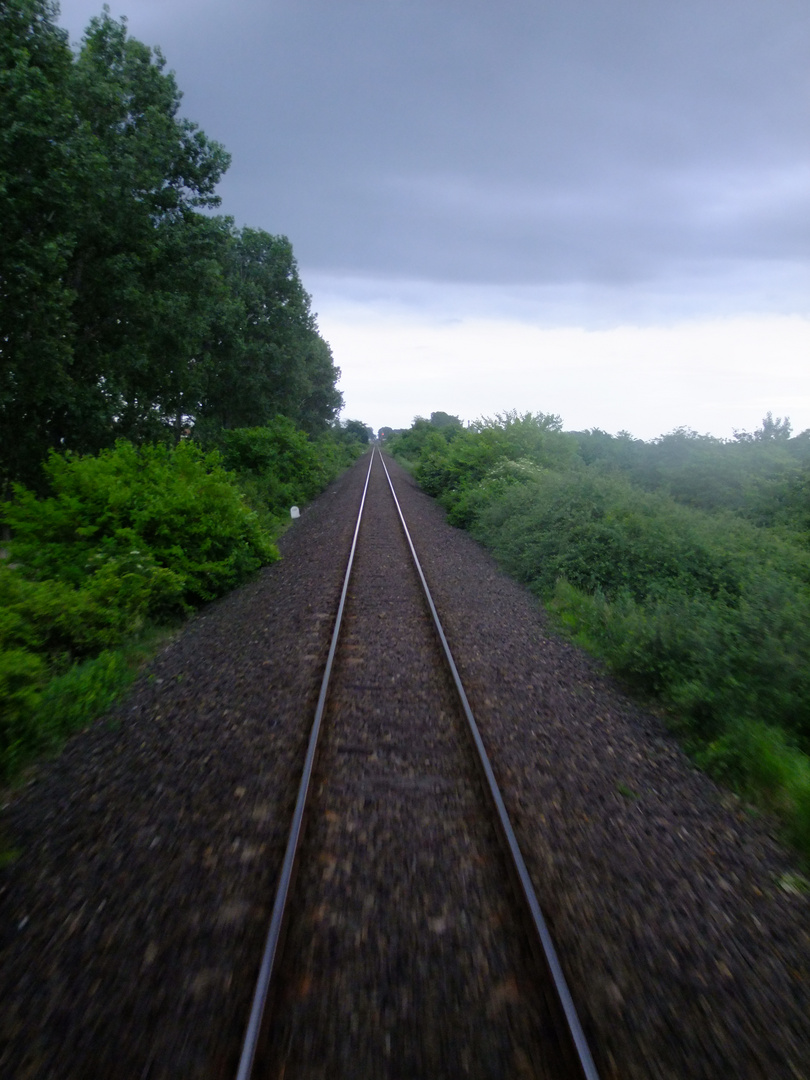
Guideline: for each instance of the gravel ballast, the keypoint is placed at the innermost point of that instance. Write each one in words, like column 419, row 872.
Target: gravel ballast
column 406, row 955
column 133, row 919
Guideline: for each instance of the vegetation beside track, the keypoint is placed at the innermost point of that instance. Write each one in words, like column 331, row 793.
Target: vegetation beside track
column 127, row 542
column 683, row 563
column 165, row 394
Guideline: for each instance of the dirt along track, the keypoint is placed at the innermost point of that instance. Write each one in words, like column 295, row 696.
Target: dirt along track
column 132, row 923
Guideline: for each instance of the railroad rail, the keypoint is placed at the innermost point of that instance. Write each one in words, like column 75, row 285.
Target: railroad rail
column 563, row 1046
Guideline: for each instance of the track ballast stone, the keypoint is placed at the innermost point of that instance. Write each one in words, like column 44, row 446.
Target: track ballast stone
column 406, row 955
column 132, row 922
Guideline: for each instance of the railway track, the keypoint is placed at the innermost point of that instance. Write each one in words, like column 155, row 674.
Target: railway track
column 406, row 939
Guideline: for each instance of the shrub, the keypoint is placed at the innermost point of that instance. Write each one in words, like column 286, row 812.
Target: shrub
column 689, row 599
column 127, row 538
column 760, row 762
column 22, row 676
column 128, row 513
column 279, row 466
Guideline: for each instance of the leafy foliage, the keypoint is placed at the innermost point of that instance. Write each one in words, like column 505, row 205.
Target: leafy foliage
column 279, row 466
column 269, row 358
column 684, row 563
column 124, row 539
column 124, row 310
column 144, row 511
column 38, row 136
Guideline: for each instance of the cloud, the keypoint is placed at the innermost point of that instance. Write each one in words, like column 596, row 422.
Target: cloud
column 537, row 146
column 596, row 209
column 523, row 142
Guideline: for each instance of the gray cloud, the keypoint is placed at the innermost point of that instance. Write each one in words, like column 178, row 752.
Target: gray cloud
column 530, row 145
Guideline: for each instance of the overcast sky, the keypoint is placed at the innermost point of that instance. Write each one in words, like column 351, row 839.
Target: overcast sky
column 595, row 209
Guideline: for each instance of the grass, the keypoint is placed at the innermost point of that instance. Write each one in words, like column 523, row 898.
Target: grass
column 627, row 792
column 761, row 763
column 72, row 701
column 8, row 855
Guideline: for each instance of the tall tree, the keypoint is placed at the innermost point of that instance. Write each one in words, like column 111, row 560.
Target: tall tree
column 40, row 145
column 271, row 359
column 99, row 178
column 124, row 310
column 153, row 169
column 319, row 401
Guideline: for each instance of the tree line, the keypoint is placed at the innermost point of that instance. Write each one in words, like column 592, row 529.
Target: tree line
column 128, row 309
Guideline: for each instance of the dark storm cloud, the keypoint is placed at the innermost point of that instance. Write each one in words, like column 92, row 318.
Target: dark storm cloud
column 508, row 143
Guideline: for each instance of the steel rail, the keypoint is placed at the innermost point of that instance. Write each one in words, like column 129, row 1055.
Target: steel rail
column 251, row 1040
column 583, row 1056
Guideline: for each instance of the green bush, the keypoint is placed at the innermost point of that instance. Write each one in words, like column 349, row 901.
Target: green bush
column 464, row 460
column 128, row 513
column 83, row 692
column 408, row 445
column 132, row 537
column 279, row 466
column 760, row 761
column 601, row 534
column 649, row 559
column 22, row 676
column 452, row 459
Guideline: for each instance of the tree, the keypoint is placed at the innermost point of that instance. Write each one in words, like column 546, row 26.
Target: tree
column 125, row 311
column 443, row 419
column 320, row 400
column 40, row 143
column 358, row 430
column 772, row 431
column 98, row 176
column 269, row 359
column 137, row 236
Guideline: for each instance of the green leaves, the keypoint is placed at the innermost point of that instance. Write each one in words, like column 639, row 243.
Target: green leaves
column 125, row 539
column 270, row 359
column 39, row 137
column 652, row 558
column 278, row 466
column 130, row 512
column 129, row 104
column 123, row 310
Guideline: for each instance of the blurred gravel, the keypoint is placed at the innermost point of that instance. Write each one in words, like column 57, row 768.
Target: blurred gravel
column 132, row 923
column 406, row 955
